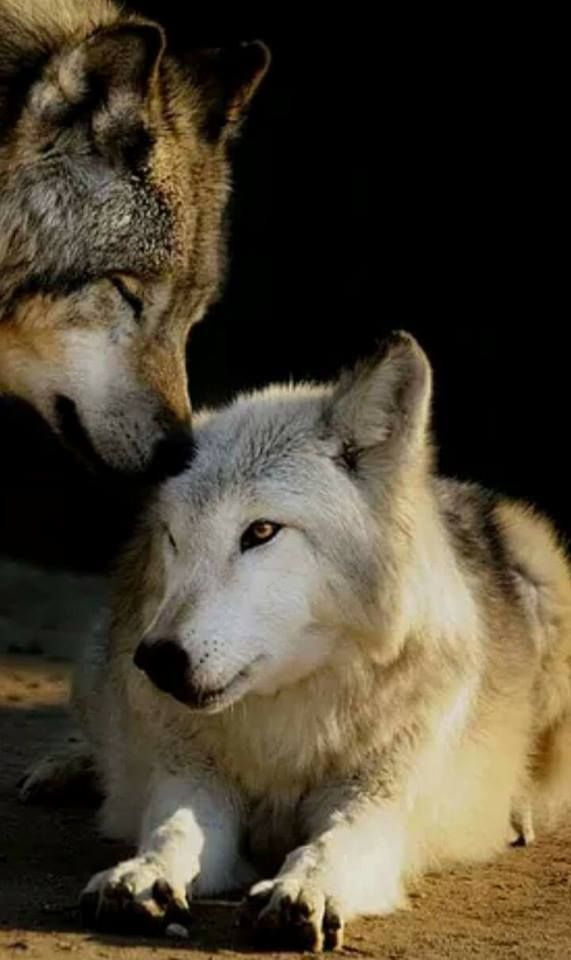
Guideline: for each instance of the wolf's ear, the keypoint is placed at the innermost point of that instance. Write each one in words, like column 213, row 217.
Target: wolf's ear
column 379, row 412
column 124, row 57
column 106, row 80
column 226, row 80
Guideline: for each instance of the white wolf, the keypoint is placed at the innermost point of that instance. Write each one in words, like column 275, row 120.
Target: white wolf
column 350, row 670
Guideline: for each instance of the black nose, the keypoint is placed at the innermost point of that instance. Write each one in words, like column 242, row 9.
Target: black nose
column 172, row 454
column 166, row 665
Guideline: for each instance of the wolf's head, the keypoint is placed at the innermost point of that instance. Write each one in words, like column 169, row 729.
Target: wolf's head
column 114, row 177
column 284, row 545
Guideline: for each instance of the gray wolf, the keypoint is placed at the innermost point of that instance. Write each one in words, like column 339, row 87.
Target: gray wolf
column 328, row 669
column 114, row 180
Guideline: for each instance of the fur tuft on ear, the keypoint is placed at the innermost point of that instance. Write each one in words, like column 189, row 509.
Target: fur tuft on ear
column 381, row 408
column 227, row 80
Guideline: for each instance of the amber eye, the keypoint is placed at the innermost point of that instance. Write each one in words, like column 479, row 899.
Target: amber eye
column 259, row 532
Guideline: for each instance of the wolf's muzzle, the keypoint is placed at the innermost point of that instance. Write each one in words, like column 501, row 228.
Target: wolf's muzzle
column 167, row 666
column 172, row 454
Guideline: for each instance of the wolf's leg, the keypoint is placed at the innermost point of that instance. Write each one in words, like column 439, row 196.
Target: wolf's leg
column 521, row 823
column 189, row 843
column 67, row 775
column 551, row 772
column 352, row 865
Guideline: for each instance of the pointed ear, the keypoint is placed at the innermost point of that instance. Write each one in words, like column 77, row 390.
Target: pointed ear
column 107, row 79
column 226, row 80
column 124, row 57
column 379, row 412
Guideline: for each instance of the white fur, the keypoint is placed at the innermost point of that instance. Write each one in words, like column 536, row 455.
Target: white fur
column 381, row 692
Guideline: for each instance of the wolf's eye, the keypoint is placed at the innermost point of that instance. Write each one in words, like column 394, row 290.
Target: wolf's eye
column 128, row 295
column 259, row 532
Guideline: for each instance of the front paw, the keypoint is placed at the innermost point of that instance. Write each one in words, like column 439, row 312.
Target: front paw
column 136, row 896
column 295, row 914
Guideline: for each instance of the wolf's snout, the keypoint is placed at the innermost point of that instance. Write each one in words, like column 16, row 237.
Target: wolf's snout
column 167, row 666
column 173, row 454
column 109, row 446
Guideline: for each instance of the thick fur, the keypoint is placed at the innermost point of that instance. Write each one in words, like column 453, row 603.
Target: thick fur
column 381, row 687
column 114, row 179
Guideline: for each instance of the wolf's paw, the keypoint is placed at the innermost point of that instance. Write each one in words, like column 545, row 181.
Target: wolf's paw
column 64, row 777
column 294, row 914
column 135, row 896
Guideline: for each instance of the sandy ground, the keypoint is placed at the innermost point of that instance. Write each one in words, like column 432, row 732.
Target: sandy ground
column 518, row 907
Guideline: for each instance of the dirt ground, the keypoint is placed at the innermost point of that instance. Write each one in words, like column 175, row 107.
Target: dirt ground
column 518, row 907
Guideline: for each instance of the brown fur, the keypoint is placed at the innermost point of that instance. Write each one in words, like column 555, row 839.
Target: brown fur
column 113, row 161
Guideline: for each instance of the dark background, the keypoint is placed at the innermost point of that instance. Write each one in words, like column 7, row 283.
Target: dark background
column 391, row 174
